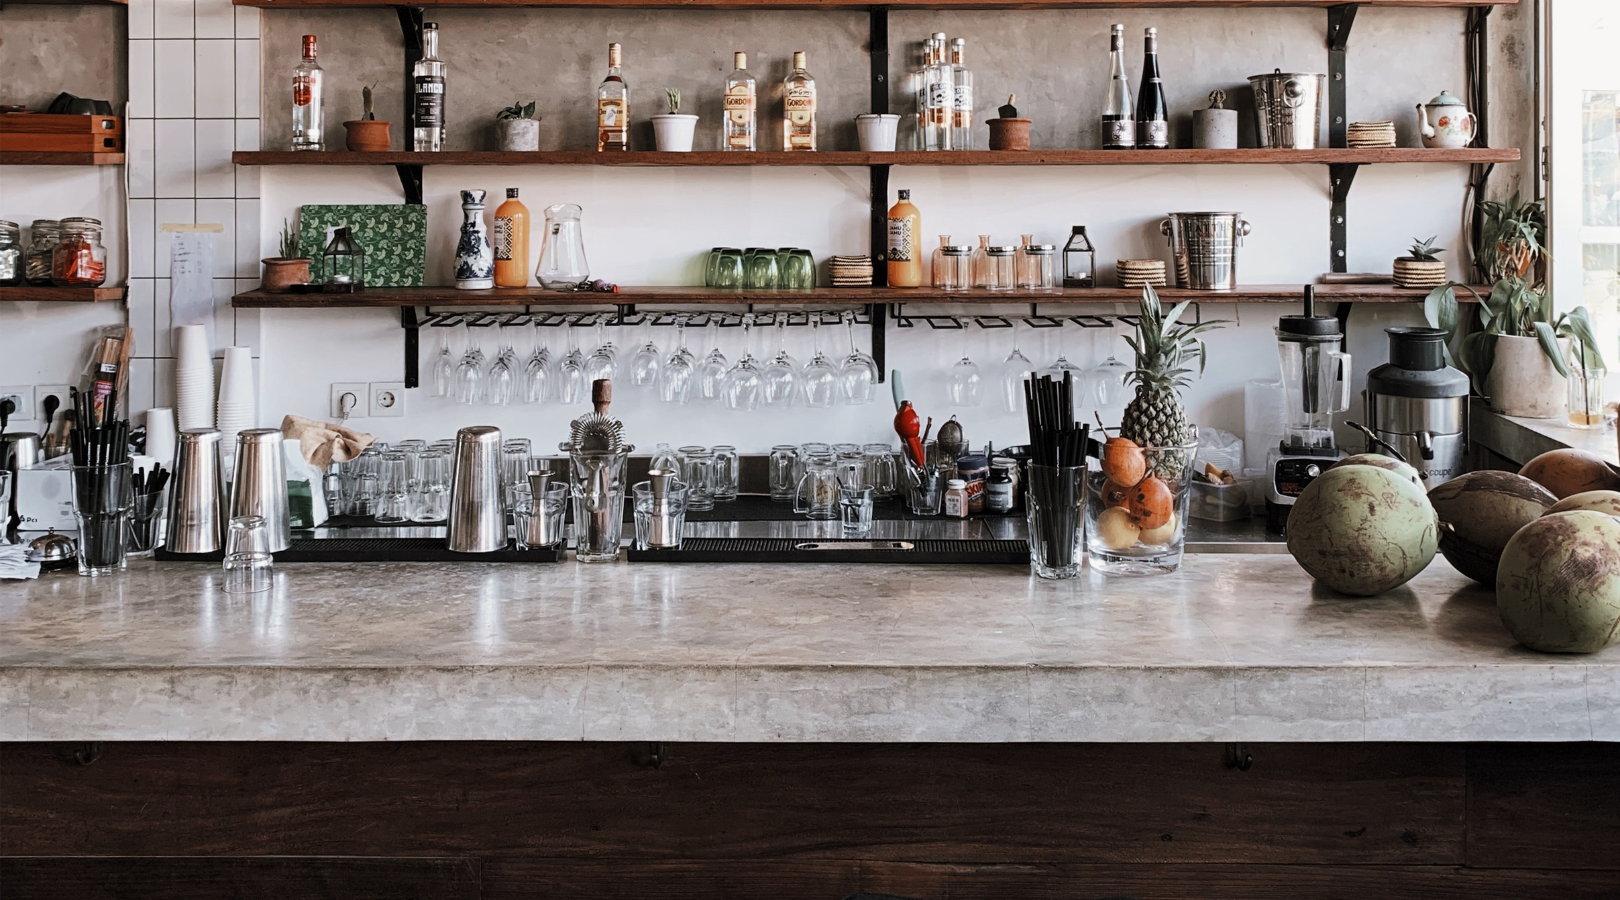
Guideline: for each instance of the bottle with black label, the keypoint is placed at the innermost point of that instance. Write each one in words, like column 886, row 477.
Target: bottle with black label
column 1152, row 117
column 428, row 85
column 1118, row 121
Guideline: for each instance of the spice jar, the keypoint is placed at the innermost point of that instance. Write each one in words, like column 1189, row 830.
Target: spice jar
column 1000, row 487
column 956, row 498
column 42, row 239
column 11, row 253
column 973, row 469
column 80, row 258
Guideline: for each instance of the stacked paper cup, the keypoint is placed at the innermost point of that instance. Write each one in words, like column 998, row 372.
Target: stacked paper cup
column 193, row 378
column 160, row 435
column 235, row 412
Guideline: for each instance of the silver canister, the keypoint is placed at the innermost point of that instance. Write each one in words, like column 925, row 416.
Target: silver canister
column 477, row 502
column 197, row 494
column 19, row 450
column 1204, row 245
column 259, row 487
column 1288, row 109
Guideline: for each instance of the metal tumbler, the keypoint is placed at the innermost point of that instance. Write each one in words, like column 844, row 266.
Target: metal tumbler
column 260, row 485
column 197, row 495
column 477, row 498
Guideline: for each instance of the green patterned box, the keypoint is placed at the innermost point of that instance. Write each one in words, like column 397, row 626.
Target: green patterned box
column 394, row 236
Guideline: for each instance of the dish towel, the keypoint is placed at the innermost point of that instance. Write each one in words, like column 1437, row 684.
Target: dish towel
column 324, row 443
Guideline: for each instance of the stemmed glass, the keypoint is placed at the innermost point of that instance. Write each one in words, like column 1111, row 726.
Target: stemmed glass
column 644, row 367
column 1014, row 369
column 604, row 361
column 1109, row 389
column 711, row 374
column 857, row 378
column 1061, row 364
column 820, row 374
column 444, row 366
column 781, row 375
column 675, row 382
column 469, row 378
column 741, row 387
column 499, row 389
column 963, row 384
column 537, row 371
column 571, row 385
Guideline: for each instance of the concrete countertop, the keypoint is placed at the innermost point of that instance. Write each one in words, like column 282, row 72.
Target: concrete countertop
column 1231, row 648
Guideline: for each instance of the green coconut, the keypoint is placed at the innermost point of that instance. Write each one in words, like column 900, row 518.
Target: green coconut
column 1558, row 585
column 1606, row 502
column 1403, row 469
column 1362, row 530
column 1479, row 512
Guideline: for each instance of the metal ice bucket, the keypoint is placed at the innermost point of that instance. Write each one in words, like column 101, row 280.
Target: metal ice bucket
column 1204, row 245
column 1288, row 108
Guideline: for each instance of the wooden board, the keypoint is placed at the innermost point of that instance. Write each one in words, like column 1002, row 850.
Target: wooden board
column 53, row 294
column 61, row 133
column 58, row 158
column 858, row 158
column 295, row 878
column 1547, row 805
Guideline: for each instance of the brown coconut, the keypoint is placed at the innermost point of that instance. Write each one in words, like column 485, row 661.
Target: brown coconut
column 1379, row 460
column 1479, row 512
column 1606, row 502
column 1362, row 530
column 1558, row 587
column 1568, row 471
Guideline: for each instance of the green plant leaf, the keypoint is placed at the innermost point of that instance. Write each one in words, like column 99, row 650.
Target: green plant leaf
column 1440, row 308
column 1475, row 356
column 1549, row 346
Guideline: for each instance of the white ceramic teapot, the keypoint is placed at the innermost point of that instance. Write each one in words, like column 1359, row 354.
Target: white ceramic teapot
column 1444, row 122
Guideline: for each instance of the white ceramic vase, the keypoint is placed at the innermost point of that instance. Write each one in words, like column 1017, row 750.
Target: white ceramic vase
column 674, row 132
column 519, row 135
column 1523, row 382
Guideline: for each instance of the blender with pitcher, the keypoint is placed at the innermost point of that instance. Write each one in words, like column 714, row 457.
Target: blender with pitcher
column 1316, row 384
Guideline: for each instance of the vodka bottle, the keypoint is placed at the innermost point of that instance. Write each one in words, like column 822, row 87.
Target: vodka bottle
column 1152, row 117
column 1118, row 121
column 613, row 106
column 309, row 99
column 799, row 107
column 740, row 106
column 428, row 84
column 939, row 86
column 962, row 102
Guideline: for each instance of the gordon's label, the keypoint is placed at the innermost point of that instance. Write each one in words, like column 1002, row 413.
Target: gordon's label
column 739, row 107
column 900, row 240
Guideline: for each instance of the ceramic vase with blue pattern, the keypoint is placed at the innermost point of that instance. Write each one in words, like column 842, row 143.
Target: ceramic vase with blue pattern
column 475, row 257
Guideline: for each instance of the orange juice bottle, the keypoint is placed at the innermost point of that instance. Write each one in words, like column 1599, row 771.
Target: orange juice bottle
column 511, row 241
column 905, row 243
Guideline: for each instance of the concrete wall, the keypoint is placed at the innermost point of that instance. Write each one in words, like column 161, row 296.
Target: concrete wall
column 45, row 50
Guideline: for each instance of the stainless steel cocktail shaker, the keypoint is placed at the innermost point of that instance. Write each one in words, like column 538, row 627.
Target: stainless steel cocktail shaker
column 197, row 495
column 477, row 501
column 260, row 485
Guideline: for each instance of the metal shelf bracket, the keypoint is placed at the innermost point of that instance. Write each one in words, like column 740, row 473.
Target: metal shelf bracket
column 410, row 26
column 1340, row 177
column 878, row 49
column 1339, row 21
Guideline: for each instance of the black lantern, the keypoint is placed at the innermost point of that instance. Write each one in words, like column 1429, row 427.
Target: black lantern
column 343, row 264
column 1079, row 260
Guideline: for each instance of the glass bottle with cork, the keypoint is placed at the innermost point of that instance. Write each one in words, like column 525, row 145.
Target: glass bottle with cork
column 613, row 105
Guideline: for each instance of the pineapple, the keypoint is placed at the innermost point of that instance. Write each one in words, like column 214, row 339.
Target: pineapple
column 1164, row 352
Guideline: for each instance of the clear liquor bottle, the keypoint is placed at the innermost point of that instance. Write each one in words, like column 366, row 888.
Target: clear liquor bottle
column 939, row 85
column 1152, row 115
column 920, row 79
column 799, row 107
column 741, row 107
column 309, row 101
column 428, row 86
column 962, row 102
column 1119, row 120
column 613, row 106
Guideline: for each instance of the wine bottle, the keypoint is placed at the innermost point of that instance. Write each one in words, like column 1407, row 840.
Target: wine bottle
column 1118, row 121
column 1152, row 120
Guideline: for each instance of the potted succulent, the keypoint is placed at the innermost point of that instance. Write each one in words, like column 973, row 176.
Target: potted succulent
column 367, row 134
column 516, row 128
column 284, row 271
column 1421, row 267
column 674, row 129
column 1008, row 131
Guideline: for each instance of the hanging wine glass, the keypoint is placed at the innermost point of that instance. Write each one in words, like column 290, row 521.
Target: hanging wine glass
column 820, row 374
column 444, row 365
column 571, row 384
column 712, row 373
column 780, row 378
column 1014, row 369
column 604, row 360
column 468, row 386
column 537, row 371
column 675, row 381
column 1061, row 364
column 644, row 367
column 962, row 385
column 741, row 388
column 857, row 378
column 500, row 385
column 1110, row 391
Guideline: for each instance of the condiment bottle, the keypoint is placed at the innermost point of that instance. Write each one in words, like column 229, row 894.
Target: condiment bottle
column 956, row 498
column 998, row 488
column 11, row 254
column 512, row 242
column 905, row 243
column 973, row 469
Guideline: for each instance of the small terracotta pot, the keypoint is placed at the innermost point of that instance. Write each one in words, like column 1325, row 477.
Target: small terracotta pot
column 1009, row 134
column 367, row 136
column 281, row 274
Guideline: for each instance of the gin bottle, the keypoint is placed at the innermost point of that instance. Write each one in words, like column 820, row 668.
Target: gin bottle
column 799, row 107
column 309, row 111
column 613, row 106
column 939, row 88
column 962, row 98
column 428, row 85
column 739, row 104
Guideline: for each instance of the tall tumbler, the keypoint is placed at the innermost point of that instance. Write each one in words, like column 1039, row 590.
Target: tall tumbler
column 260, row 485
column 101, row 501
column 477, row 499
column 1054, row 500
column 197, row 494
column 597, row 482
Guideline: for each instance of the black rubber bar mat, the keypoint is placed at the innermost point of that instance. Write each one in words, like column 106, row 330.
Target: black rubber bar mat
column 811, row 550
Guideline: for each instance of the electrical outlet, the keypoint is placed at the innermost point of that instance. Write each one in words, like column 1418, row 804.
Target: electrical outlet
column 350, row 396
column 388, row 398
column 63, row 400
column 21, row 397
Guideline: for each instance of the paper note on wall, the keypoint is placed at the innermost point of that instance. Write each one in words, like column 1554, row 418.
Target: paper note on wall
column 191, row 281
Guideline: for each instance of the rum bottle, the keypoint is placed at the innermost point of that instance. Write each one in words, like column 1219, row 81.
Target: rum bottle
column 1118, row 121
column 739, row 103
column 428, row 85
column 613, row 106
column 905, row 243
column 309, row 101
column 799, row 107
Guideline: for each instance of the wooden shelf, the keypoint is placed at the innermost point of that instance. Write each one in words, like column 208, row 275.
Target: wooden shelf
column 449, row 296
column 62, row 294
column 58, row 158
column 1326, row 156
column 853, row 4
column 70, row 2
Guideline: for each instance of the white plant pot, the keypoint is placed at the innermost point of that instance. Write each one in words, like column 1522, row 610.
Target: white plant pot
column 674, row 133
column 876, row 131
column 1523, row 382
column 520, row 135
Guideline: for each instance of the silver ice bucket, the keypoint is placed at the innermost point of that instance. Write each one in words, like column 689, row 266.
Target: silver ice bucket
column 1288, row 108
column 1204, row 245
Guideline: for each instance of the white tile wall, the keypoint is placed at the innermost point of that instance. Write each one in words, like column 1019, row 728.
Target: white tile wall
column 181, row 130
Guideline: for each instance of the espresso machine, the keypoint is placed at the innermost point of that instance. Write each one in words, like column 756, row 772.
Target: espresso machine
column 1316, row 384
column 1418, row 406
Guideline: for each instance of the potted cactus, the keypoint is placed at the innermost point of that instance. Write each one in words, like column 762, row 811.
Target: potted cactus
column 1422, row 267
column 674, row 129
column 516, row 128
column 289, row 268
column 367, row 134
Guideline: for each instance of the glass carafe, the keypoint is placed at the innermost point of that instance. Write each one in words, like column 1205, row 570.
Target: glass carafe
column 562, row 255
column 1316, row 384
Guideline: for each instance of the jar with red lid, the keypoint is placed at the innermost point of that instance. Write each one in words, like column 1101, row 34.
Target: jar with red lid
column 79, row 258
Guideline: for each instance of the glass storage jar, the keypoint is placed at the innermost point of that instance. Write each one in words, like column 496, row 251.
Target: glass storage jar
column 1038, row 267
column 11, row 253
column 1002, row 263
column 42, row 239
column 954, row 269
column 79, row 257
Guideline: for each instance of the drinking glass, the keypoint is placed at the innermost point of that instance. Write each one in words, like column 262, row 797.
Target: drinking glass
column 725, row 472
column 675, row 380
column 881, row 474
column 925, row 491
column 1110, row 392
column 538, row 522
column 499, row 387
column 468, row 384
column 857, row 379
column 962, row 385
column 849, row 465
column 393, row 482
column 361, row 482
column 604, row 361
column 816, row 495
column 433, row 487
column 444, row 365
column 728, row 271
column 572, row 387
column 1053, row 501
column 820, row 374
column 741, row 387
column 248, row 564
column 1014, row 369
column 101, row 500
column 646, row 363
column 711, row 373
column 780, row 378
column 762, row 268
column 697, row 473
column 520, row 503
column 856, row 505
column 659, row 520
column 783, row 471
column 537, row 371
column 1061, row 364
column 515, row 464
column 799, row 272
column 711, row 265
